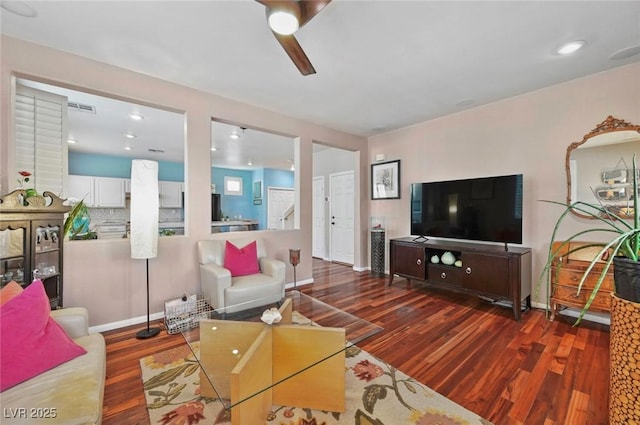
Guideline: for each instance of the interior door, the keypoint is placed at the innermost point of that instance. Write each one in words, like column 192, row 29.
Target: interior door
column 342, row 189
column 318, row 218
column 278, row 200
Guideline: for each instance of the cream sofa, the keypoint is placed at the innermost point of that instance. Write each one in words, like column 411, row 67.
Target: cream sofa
column 71, row 393
column 228, row 294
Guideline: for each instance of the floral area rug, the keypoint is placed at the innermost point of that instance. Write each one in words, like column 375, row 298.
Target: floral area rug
column 376, row 394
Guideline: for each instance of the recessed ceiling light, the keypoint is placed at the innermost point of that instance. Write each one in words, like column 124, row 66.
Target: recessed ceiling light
column 571, row 47
column 136, row 117
column 19, row 8
column 250, row 162
column 72, row 141
column 213, row 149
column 127, row 148
column 234, row 136
column 292, row 168
column 129, row 136
column 627, row 52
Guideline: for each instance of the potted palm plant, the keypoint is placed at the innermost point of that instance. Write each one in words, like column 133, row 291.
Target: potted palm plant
column 623, row 252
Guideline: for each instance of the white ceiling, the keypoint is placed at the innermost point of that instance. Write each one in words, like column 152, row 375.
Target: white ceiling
column 381, row 65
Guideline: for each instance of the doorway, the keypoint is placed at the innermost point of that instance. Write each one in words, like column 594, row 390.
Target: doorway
column 280, row 212
column 342, row 203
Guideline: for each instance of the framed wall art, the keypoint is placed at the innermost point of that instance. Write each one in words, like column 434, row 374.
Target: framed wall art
column 385, row 180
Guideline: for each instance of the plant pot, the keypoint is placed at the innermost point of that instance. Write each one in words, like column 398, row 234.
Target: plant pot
column 626, row 275
column 624, row 367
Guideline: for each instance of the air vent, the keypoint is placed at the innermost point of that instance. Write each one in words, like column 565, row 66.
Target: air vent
column 156, row 150
column 82, row 107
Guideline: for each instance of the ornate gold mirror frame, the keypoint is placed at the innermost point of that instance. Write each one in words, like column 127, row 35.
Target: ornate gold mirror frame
column 606, row 163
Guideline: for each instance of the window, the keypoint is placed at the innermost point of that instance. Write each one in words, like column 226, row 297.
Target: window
column 233, row 186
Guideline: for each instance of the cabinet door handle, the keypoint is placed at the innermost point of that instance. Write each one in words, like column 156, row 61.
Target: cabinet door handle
column 443, row 275
column 418, row 261
column 468, row 270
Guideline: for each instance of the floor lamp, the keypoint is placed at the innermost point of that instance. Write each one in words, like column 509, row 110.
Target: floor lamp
column 144, row 221
column 294, row 260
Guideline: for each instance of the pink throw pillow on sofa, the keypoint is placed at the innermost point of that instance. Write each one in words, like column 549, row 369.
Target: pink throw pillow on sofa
column 241, row 261
column 32, row 342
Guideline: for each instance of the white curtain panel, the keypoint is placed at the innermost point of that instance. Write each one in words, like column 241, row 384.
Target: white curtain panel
column 144, row 208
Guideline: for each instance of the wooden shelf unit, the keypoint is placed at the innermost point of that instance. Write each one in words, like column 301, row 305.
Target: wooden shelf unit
column 31, row 239
column 487, row 270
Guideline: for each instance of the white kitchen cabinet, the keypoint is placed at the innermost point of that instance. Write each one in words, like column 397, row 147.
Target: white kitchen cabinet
column 109, row 192
column 82, row 187
column 127, row 185
column 170, row 194
column 97, row 192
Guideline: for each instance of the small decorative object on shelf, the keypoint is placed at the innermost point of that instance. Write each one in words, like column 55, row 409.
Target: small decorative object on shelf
column 182, row 314
column 435, row 259
column 458, row 263
column 448, row 258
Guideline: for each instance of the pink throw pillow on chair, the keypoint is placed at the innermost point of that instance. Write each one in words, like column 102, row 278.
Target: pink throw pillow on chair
column 241, row 261
column 32, row 341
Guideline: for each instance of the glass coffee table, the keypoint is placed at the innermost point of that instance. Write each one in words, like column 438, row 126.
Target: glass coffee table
column 250, row 365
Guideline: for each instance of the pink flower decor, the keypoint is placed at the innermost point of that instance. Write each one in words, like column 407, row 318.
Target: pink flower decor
column 188, row 414
column 367, row 371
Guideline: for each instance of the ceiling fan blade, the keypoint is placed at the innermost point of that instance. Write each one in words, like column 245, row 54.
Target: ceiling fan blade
column 310, row 8
column 295, row 52
column 304, row 11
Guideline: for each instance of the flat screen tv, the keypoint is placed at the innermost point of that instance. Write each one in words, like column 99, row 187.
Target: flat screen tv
column 487, row 209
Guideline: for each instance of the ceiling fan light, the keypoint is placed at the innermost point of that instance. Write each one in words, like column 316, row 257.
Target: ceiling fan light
column 283, row 22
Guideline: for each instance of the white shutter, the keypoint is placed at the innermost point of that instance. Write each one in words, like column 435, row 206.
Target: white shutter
column 41, row 138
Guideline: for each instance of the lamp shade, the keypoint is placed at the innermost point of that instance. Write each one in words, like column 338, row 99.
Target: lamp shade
column 144, row 209
column 294, row 256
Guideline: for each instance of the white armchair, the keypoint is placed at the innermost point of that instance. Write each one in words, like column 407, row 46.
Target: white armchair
column 229, row 294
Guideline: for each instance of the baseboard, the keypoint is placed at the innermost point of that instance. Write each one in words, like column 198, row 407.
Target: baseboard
column 602, row 318
column 300, row 283
column 124, row 323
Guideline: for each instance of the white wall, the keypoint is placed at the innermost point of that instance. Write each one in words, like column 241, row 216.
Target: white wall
column 527, row 134
column 99, row 274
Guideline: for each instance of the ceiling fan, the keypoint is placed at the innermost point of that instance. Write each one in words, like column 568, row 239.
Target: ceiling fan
column 285, row 17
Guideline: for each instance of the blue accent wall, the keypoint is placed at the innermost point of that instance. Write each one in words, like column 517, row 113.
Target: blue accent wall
column 243, row 206
column 87, row 164
column 232, row 206
column 235, row 206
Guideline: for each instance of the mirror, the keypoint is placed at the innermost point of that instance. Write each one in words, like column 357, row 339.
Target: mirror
column 252, row 179
column 599, row 166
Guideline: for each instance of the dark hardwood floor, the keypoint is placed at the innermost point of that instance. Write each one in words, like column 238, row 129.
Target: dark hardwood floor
column 476, row 354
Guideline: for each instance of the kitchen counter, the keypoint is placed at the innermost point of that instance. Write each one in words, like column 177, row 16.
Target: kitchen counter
column 170, row 224
column 233, row 226
column 234, row 223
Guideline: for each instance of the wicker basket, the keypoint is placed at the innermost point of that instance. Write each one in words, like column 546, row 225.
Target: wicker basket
column 182, row 314
column 624, row 373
